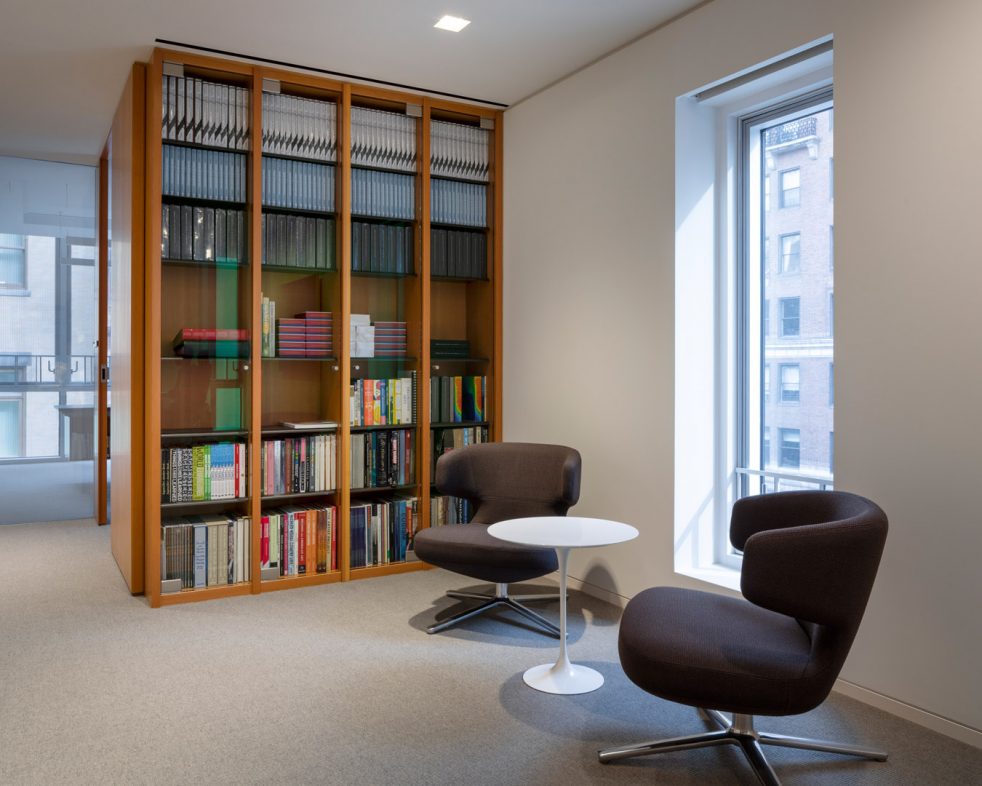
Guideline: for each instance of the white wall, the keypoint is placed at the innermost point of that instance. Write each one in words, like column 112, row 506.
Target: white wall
column 588, row 288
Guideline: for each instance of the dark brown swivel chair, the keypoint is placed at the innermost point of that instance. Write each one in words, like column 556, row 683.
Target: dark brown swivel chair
column 809, row 561
column 503, row 480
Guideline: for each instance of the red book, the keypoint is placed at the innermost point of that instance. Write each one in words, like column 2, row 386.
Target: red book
column 264, row 543
column 314, row 315
column 301, row 519
column 210, row 334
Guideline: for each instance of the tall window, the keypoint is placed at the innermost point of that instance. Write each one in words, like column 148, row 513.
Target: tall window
column 790, row 383
column 790, row 142
column 13, row 262
column 11, row 427
column 790, row 316
column 791, row 188
column 791, row 253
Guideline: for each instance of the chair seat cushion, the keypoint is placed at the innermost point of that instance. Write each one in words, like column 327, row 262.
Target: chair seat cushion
column 718, row 652
column 470, row 550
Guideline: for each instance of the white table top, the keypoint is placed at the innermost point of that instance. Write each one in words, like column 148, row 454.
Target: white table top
column 563, row 531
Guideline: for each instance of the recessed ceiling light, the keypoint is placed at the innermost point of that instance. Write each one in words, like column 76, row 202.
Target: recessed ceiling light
column 453, row 23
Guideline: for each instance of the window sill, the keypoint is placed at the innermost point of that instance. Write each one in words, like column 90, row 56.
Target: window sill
column 15, row 293
column 719, row 575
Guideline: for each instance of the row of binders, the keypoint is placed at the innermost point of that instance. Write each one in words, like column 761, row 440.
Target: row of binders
column 382, row 402
column 458, row 254
column 190, row 173
column 383, row 194
column 298, row 185
column 454, row 202
column 299, row 541
column 383, row 458
column 299, row 465
column 204, row 551
column 204, row 113
column 383, row 532
column 202, row 234
column 203, row 472
column 383, row 139
column 450, row 510
column 381, row 248
column 298, row 241
column 446, row 440
column 458, row 399
column 458, row 151
column 300, row 127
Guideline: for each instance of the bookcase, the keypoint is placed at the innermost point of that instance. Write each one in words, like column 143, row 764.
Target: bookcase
column 321, row 317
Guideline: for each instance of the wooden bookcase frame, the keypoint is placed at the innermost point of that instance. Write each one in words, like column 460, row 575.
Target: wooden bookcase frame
column 142, row 482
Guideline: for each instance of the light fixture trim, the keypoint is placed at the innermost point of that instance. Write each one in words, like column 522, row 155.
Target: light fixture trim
column 452, row 23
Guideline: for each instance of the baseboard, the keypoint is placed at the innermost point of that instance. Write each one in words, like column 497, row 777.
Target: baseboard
column 929, row 720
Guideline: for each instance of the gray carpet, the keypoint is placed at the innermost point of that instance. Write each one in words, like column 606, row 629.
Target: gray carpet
column 341, row 685
column 46, row 491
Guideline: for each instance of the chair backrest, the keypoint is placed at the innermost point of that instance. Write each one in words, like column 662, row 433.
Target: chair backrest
column 812, row 555
column 508, row 480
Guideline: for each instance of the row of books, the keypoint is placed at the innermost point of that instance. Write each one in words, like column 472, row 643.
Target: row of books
column 384, row 339
column 457, row 150
column 203, row 472
column 383, row 532
column 203, row 174
column 298, row 465
column 205, row 551
column 303, row 242
column 382, row 402
column 310, row 334
column 202, row 234
column 298, row 185
column 299, row 540
column 204, row 113
column 450, row 510
column 383, row 194
column 381, row 248
column 383, row 458
column 445, row 440
column 458, row 254
column 454, row 202
column 302, row 127
column 449, row 348
column 211, row 343
column 458, row 399
column 383, row 139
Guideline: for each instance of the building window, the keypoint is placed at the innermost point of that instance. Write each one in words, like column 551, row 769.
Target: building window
column 831, row 451
column 765, row 447
column 831, row 247
column 767, row 382
column 790, row 457
column 790, row 316
column 831, row 384
column 790, row 383
column 791, row 188
column 831, row 179
column 766, row 318
column 791, row 253
column 11, row 427
column 13, row 262
column 831, row 317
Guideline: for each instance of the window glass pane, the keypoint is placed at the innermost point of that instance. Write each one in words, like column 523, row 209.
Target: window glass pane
column 10, row 428
column 798, row 151
column 12, row 268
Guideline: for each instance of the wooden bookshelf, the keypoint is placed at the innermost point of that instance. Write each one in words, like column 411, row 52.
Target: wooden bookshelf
column 210, row 401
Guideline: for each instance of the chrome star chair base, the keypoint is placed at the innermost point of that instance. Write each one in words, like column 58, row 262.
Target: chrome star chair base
column 499, row 598
column 740, row 732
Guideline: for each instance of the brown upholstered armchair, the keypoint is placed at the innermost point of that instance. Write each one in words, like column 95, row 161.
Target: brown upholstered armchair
column 809, row 561
column 504, row 480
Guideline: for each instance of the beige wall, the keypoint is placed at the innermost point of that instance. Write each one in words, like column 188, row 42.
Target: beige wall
column 589, row 298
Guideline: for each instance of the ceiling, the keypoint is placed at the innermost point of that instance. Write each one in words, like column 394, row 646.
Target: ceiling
column 63, row 64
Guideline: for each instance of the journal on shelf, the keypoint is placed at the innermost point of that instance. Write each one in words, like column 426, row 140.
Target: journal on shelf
column 383, row 458
column 299, row 127
column 298, row 541
column 199, row 473
column 383, row 532
column 450, row 510
column 456, row 253
column 381, row 248
column 444, row 440
column 382, row 402
column 458, row 150
column 299, row 465
column 205, row 551
column 202, row 234
column 204, row 113
column 303, row 242
column 458, row 399
column 383, row 139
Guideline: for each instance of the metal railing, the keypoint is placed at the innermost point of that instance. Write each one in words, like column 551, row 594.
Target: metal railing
column 49, row 372
column 791, row 131
column 795, row 481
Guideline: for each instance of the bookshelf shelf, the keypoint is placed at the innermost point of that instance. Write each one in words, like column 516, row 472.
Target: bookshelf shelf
column 367, row 208
column 272, row 498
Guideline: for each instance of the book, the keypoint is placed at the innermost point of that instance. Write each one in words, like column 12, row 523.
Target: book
column 212, row 349
column 309, row 425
